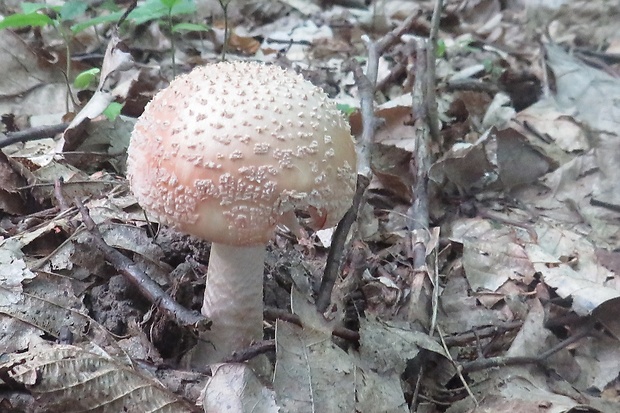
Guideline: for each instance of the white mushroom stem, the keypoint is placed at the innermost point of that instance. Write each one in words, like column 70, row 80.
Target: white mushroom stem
column 233, row 298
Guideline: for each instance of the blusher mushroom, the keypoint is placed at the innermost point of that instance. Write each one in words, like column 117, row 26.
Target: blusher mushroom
column 228, row 152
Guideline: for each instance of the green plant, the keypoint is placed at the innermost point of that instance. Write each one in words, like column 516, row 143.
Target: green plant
column 167, row 9
column 64, row 18
column 348, row 110
column 113, row 110
column 492, row 68
column 440, row 50
column 86, row 78
column 58, row 16
column 224, row 5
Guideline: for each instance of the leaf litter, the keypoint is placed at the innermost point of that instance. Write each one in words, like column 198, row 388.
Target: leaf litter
column 522, row 196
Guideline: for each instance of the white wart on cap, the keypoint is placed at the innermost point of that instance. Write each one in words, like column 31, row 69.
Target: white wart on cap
column 228, row 149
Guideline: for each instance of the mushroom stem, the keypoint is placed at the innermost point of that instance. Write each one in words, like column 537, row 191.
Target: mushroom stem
column 233, row 298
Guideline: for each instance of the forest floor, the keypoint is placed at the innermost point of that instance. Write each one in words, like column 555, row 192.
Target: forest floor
column 482, row 269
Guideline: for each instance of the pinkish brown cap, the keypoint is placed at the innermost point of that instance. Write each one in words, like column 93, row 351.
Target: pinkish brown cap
column 226, row 151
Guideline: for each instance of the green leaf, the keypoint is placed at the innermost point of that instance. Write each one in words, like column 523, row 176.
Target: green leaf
column 72, row 9
column 190, row 27
column 155, row 10
column 86, row 78
column 488, row 65
column 113, row 110
column 440, row 51
column 28, row 8
column 107, row 18
column 184, row 7
column 169, row 3
column 151, row 10
column 346, row 109
column 25, row 20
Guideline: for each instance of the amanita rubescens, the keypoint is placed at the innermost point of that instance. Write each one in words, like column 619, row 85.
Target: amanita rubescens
column 226, row 153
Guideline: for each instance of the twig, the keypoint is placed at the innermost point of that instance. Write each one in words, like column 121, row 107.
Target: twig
column 459, row 370
column 254, row 350
column 469, row 336
column 420, row 161
column 491, row 362
column 416, row 390
column 147, row 287
column 62, row 202
column 336, row 251
column 424, row 110
column 366, row 84
column 31, row 134
column 131, row 7
column 273, row 314
column 431, row 53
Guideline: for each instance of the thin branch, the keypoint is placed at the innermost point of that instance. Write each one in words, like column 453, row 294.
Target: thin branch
column 431, row 101
column 273, row 314
column 131, row 7
column 492, row 362
column 420, row 159
column 459, row 370
column 366, row 84
column 254, row 350
column 31, row 134
column 336, row 251
column 147, row 287
column 466, row 337
column 424, row 111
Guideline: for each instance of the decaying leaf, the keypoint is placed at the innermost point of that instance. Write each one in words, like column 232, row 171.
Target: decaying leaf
column 387, row 347
column 61, row 376
column 312, row 373
column 236, row 388
column 27, row 82
column 10, row 200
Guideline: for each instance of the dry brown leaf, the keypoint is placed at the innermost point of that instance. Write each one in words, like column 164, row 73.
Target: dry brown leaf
column 312, row 373
column 237, row 387
column 11, row 200
column 518, row 162
column 72, row 379
column 492, row 255
column 27, row 87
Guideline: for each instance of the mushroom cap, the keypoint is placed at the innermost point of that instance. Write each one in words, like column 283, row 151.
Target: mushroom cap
column 228, row 150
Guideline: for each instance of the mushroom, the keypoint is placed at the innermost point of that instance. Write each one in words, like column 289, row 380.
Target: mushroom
column 228, row 152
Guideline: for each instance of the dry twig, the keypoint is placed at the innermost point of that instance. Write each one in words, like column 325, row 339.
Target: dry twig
column 147, row 287
column 459, row 371
column 366, row 84
column 492, row 362
column 424, row 110
column 273, row 314
column 31, row 134
column 254, row 350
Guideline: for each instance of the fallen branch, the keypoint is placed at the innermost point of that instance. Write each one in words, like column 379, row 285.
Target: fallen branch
column 492, row 362
column 366, row 84
column 254, row 350
column 31, row 134
column 424, row 290
column 147, row 287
